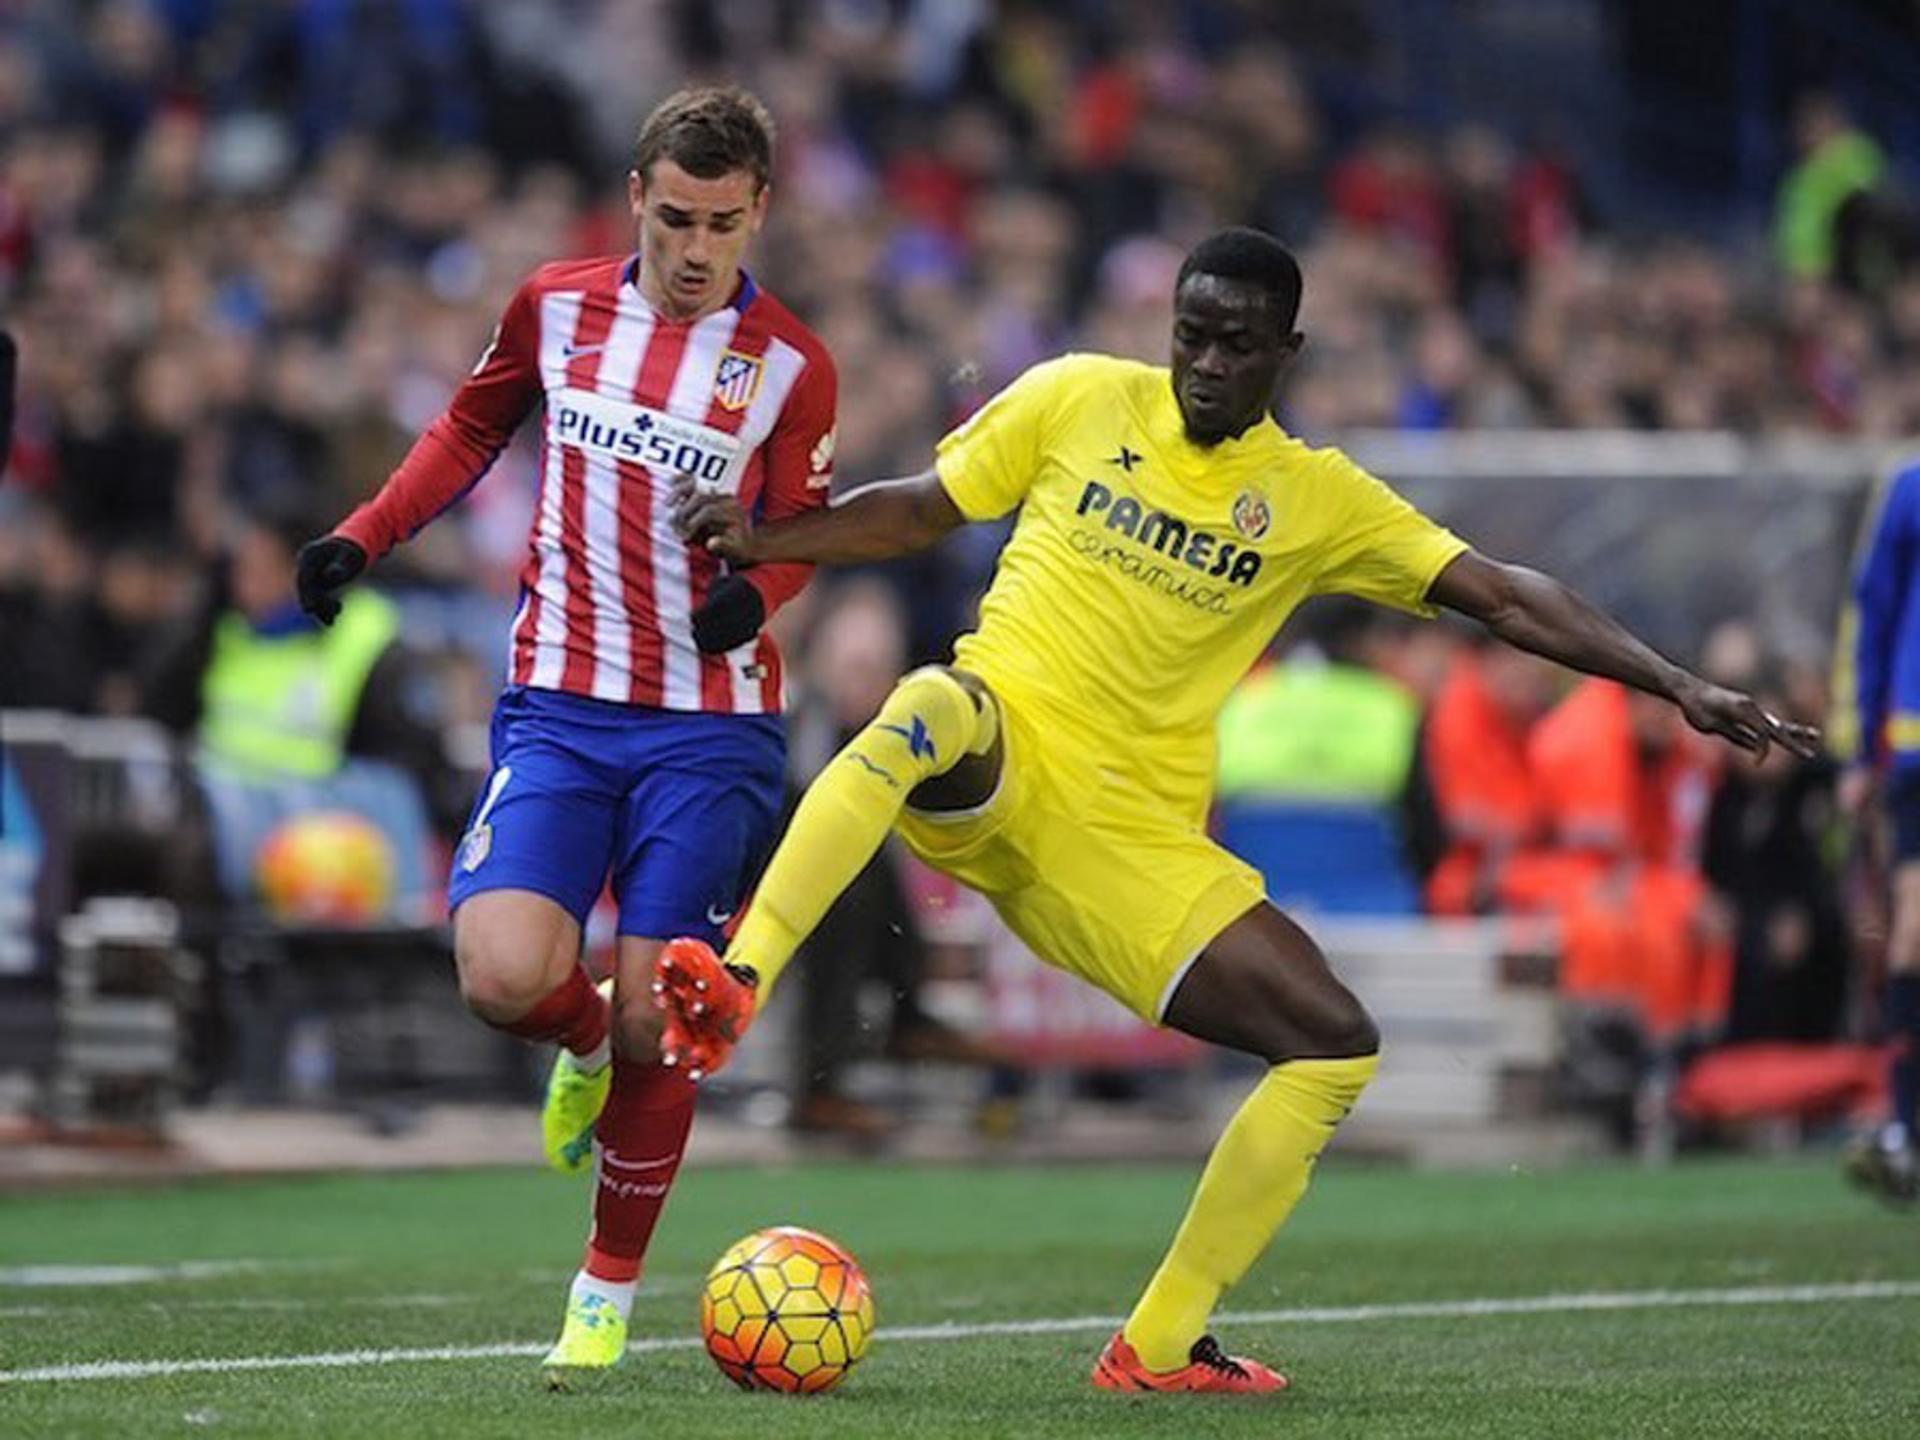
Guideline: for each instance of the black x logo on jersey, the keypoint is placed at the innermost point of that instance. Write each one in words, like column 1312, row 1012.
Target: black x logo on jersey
column 1126, row 459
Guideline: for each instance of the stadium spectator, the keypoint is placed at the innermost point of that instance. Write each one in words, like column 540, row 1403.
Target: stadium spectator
column 1488, row 805
column 285, row 713
column 1328, row 722
column 1626, row 790
column 1832, row 219
column 270, row 693
column 1768, row 851
column 856, row 653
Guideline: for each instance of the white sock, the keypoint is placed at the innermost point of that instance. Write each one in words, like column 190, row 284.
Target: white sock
column 596, row 1059
column 620, row 1292
column 1893, row 1137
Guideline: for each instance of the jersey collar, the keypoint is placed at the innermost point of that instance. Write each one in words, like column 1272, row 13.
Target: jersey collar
column 745, row 291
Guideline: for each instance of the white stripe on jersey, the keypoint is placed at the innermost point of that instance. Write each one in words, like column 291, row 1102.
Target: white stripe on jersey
column 691, row 397
column 559, row 315
column 620, row 359
column 783, row 366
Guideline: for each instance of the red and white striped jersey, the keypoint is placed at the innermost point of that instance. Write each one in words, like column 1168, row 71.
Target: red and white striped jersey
column 741, row 400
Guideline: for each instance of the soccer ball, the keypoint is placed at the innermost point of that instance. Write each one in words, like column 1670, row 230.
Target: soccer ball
column 326, row 867
column 786, row 1309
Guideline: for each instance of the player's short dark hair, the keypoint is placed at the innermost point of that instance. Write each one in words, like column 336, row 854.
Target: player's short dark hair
column 708, row 132
column 1243, row 253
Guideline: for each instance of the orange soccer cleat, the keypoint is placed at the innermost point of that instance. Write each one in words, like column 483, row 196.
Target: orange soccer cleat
column 1209, row 1370
column 707, row 1004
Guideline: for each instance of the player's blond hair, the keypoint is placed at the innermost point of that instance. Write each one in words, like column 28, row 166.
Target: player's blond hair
column 708, row 131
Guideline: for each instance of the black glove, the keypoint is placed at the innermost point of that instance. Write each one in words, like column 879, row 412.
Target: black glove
column 731, row 615
column 322, row 570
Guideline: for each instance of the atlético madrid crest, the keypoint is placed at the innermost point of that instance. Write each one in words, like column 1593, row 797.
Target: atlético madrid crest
column 1251, row 515
column 737, row 380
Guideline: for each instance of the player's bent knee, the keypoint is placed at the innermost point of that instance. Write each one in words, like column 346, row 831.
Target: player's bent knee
column 494, row 991
column 929, row 723
column 1335, row 1026
column 504, row 970
column 1352, row 1033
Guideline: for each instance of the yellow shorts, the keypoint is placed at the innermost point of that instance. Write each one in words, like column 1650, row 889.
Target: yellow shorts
column 1094, row 875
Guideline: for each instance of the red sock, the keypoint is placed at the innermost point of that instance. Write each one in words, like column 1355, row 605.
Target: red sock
column 573, row 1014
column 642, row 1135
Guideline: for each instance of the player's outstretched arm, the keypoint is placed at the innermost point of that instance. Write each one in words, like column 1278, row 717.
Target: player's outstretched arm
column 876, row 522
column 1538, row 613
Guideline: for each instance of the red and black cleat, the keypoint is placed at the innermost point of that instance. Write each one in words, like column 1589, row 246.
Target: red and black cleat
column 708, row 1005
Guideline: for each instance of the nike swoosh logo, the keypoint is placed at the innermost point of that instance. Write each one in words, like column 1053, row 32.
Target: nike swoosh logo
column 567, row 352
column 659, row 1162
column 717, row 916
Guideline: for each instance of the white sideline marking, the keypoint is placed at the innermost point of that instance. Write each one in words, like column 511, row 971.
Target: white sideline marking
column 54, row 1277
column 169, row 1307
column 1320, row 1315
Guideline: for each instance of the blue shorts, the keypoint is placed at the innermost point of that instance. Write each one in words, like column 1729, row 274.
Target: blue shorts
column 680, row 808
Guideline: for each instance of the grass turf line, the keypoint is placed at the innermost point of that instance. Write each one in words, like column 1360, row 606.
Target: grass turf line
column 949, row 1248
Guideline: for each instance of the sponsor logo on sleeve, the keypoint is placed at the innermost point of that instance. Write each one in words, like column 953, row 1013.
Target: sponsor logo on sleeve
column 820, row 462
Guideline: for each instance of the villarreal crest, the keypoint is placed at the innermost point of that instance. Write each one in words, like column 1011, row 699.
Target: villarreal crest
column 1251, row 516
column 737, row 380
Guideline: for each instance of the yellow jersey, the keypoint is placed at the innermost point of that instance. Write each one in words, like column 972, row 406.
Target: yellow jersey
column 1147, row 573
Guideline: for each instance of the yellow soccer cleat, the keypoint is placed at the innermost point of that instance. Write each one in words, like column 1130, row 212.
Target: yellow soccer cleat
column 593, row 1337
column 574, row 1101
column 573, row 1105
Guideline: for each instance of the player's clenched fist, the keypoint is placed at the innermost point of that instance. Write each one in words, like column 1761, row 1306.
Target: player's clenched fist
column 324, row 568
column 715, row 520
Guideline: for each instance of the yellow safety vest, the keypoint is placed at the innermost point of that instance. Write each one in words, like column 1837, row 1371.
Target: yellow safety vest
column 285, row 703
column 1316, row 732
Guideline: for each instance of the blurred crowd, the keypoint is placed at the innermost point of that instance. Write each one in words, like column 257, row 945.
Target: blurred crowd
column 1696, row 896
column 250, row 249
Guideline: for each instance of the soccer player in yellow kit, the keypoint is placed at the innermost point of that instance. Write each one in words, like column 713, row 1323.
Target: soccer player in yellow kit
column 1062, row 765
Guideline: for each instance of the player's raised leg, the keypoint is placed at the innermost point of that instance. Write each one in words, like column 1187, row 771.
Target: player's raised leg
column 1263, row 987
column 932, row 725
column 518, row 955
column 534, row 857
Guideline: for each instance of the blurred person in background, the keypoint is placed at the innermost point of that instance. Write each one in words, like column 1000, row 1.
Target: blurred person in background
column 855, row 656
column 640, row 734
column 282, row 709
column 1625, row 790
column 1490, row 815
column 1887, row 768
column 267, row 690
column 1834, row 219
column 1769, row 851
column 1328, row 721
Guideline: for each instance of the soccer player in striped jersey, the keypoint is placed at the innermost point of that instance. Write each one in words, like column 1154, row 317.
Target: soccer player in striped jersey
column 640, row 735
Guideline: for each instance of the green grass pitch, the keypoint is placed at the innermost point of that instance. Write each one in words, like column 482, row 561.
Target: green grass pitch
column 1713, row 1338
